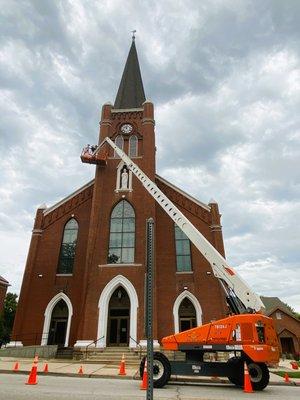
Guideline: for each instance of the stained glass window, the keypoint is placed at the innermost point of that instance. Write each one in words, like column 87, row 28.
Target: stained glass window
column 122, row 234
column 68, row 247
column 183, row 251
column 119, row 141
column 133, row 146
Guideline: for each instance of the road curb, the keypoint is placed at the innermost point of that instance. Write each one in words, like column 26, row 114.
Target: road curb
column 223, row 382
column 172, row 381
column 68, row 374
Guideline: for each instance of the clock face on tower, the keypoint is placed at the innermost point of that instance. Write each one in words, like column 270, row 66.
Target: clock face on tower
column 126, row 129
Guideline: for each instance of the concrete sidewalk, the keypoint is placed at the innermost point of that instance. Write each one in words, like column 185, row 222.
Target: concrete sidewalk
column 94, row 370
column 67, row 367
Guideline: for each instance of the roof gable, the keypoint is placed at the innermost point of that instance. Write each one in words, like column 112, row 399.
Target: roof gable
column 183, row 199
column 3, row 281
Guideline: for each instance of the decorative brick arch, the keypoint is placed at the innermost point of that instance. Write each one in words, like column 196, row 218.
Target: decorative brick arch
column 194, row 301
column 48, row 313
column 103, row 305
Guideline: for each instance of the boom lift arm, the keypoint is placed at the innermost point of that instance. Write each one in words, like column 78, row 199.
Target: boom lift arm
column 241, row 299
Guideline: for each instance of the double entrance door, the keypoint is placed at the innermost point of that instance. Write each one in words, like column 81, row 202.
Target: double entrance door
column 57, row 332
column 118, row 327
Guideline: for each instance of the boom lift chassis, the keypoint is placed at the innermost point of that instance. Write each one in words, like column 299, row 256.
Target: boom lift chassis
column 248, row 335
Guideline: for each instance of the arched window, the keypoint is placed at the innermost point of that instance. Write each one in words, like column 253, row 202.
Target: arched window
column 119, row 141
column 68, row 247
column 183, row 251
column 186, row 315
column 133, row 146
column 122, row 234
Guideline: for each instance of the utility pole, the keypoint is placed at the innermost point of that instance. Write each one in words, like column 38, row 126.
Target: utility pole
column 149, row 305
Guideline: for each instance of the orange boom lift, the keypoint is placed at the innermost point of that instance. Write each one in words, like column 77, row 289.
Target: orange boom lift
column 247, row 335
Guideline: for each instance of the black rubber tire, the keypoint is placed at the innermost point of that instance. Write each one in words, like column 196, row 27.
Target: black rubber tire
column 160, row 361
column 259, row 373
column 237, row 371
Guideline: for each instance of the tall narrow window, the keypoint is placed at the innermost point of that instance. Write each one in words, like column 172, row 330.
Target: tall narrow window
column 68, row 247
column 133, row 146
column 122, row 234
column 119, row 141
column 183, row 251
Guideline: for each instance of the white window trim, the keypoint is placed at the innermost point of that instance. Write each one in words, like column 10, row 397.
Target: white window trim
column 194, row 301
column 118, row 187
column 278, row 315
column 103, row 306
column 48, row 313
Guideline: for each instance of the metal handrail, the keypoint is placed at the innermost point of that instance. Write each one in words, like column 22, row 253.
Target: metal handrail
column 94, row 342
column 138, row 345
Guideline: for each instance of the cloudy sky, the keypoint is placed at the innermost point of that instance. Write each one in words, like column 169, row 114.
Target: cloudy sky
column 225, row 80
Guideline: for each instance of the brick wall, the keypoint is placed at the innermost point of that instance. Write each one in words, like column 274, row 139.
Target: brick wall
column 287, row 327
column 92, row 208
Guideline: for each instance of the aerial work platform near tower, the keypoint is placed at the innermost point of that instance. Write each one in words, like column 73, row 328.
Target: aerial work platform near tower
column 249, row 334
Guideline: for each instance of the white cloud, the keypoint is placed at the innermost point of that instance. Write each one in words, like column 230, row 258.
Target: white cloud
column 225, row 79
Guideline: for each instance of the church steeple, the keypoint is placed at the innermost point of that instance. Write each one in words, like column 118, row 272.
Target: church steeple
column 131, row 91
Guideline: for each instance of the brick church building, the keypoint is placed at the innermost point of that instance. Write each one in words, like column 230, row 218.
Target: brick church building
column 84, row 279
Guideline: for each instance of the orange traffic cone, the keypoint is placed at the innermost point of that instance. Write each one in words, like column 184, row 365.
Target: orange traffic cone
column 45, row 368
column 32, row 379
column 247, row 380
column 286, row 378
column 122, row 366
column 144, row 383
column 80, row 370
column 16, row 367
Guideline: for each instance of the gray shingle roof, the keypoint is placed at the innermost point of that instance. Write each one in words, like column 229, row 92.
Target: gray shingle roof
column 271, row 303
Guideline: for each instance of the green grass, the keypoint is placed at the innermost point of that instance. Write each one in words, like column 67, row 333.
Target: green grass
column 291, row 374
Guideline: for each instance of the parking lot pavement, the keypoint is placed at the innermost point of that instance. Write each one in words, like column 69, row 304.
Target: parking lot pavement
column 64, row 388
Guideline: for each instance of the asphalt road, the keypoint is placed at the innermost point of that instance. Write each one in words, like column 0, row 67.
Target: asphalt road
column 12, row 387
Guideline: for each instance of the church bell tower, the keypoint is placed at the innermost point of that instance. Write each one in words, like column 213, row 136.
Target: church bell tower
column 130, row 124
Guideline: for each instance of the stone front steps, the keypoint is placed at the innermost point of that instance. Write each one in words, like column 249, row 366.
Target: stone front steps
column 113, row 355
column 109, row 355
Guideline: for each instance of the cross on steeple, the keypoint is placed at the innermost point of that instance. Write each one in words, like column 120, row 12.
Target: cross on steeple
column 133, row 34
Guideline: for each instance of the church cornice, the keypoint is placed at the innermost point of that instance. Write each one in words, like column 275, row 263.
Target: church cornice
column 68, row 204
column 125, row 115
column 125, row 110
column 184, row 200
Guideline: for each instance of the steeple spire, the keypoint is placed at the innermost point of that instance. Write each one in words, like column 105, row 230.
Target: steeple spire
column 131, row 91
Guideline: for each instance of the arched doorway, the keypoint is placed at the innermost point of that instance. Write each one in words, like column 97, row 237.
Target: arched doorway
column 118, row 324
column 186, row 315
column 58, row 324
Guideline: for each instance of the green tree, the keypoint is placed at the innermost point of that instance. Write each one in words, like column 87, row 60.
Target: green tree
column 292, row 310
column 7, row 317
